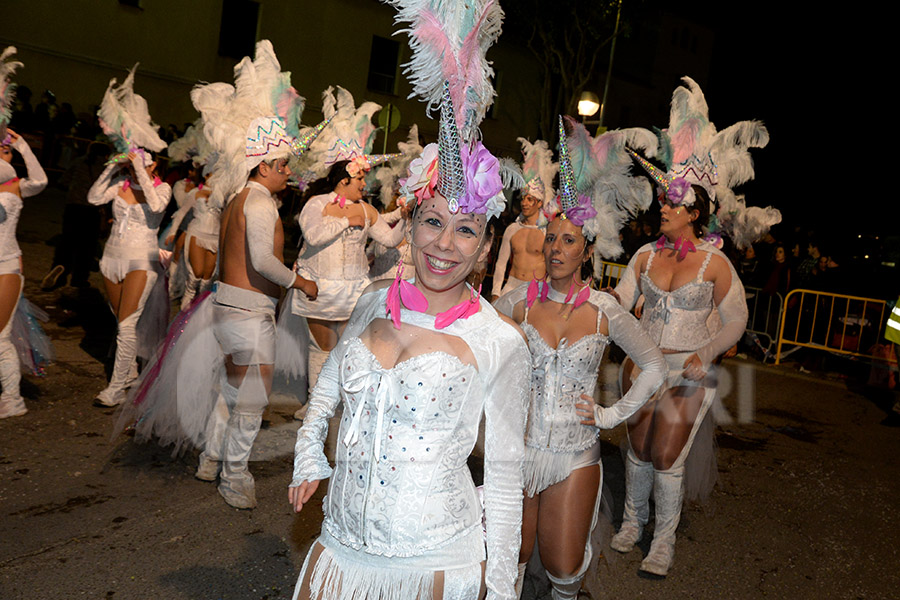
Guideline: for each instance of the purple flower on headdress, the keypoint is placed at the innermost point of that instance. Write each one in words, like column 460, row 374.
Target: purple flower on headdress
column 482, row 172
column 581, row 212
column 678, row 187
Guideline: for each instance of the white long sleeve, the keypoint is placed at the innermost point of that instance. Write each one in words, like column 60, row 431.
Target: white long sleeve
column 104, row 190
column 625, row 331
column 261, row 217
column 156, row 196
column 385, row 235
column 187, row 205
column 317, row 228
column 36, row 180
column 733, row 314
column 627, row 288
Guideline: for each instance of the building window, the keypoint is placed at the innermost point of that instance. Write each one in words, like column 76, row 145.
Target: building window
column 237, row 33
column 383, row 65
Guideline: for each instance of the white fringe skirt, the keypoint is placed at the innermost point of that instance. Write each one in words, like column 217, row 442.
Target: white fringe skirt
column 342, row 573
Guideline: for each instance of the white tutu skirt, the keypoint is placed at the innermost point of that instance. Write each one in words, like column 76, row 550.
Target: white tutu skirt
column 177, row 390
column 33, row 346
column 207, row 241
column 336, row 300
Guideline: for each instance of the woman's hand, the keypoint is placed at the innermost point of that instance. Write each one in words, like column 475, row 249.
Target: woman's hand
column 13, row 136
column 585, row 410
column 300, row 495
column 308, row 287
column 693, row 368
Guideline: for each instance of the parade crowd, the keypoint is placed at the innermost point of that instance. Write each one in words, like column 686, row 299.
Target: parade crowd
column 419, row 307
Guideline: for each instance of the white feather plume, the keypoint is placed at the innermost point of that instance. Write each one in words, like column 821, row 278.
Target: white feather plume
column 397, row 167
column 8, row 66
column 449, row 41
column 125, row 118
column 228, row 110
column 538, row 162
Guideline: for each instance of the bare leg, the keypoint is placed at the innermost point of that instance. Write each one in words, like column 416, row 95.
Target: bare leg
column 304, row 593
column 564, row 526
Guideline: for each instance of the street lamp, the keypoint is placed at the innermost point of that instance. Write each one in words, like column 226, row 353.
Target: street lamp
column 588, row 105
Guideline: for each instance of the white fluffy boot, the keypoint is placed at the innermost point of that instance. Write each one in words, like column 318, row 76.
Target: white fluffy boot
column 211, row 457
column 191, row 282
column 638, row 485
column 236, row 484
column 668, row 495
column 11, row 402
column 316, row 360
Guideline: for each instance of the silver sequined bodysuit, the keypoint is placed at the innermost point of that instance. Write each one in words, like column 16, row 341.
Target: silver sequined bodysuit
column 559, row 377
column 677, row 319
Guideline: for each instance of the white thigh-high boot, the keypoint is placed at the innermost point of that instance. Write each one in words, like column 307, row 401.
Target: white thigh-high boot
column 668, row 494
column 520, row 579
column 211, row 457
column 638, row 485
column 565, row 588
column 191, row 282
column 316, row 360
column 124, row 369
column 11, row 402
column 236, row 484
column 174, row 267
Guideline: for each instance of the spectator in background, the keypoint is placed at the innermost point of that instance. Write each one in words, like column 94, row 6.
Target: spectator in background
column 45, row 111
column 76, row 253
column 23, row 115
column 748, row 267
column 805, row 268
column 778, row 280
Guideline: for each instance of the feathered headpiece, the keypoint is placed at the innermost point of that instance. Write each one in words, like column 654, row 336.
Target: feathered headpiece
column 538, row 169
column 601, row 168
column 398, row 166
column 350, row 136
column 125, row 120
column 448, row 69
column 697, row 154
column 7, row 89
column 255, row 120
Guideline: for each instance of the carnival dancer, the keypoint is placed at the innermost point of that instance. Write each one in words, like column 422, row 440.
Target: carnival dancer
column 523, row 239
column 185, row 149
column 12, row 191
column 569, row 325
column 683, row 277
column 130, row 265
column 417, row 366
column 210, row 381
column 336, row 223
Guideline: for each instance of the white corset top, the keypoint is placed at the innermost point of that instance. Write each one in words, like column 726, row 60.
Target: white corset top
column 134, row 226
column 401, row 484
column 207, row 214
column 559, row 376
column 677, row 319
column 331, row 249
column 12, row 208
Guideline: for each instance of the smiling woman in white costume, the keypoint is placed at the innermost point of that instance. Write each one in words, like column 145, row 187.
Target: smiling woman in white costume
column 418, row 365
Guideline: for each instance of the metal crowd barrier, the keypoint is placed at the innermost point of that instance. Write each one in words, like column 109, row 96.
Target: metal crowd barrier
column 610, row 273
column 849, row 325
column 765, row 314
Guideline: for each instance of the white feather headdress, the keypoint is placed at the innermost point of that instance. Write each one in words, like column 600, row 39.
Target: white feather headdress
column 716, row 160
column 538, row 169
column 448, row 69
column 397, row 167
column 125, row 119
column 255, row 120
column 602, row 169
column 8, row 66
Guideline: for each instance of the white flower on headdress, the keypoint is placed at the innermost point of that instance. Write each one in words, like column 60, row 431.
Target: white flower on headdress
column 423, row 176
column 358, row 164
